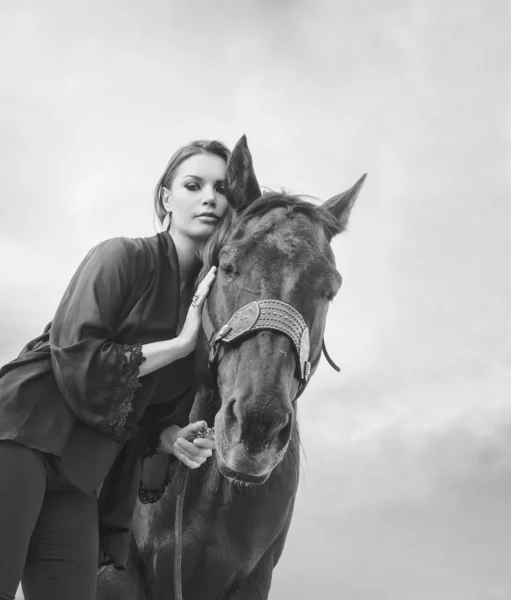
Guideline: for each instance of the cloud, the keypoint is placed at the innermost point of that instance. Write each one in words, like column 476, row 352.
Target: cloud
column 408, row 452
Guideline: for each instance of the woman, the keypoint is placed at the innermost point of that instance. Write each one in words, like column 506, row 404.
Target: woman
column 95, row 393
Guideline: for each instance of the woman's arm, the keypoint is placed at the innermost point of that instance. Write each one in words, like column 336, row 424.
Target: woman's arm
column 160, row 354
column 97, row 377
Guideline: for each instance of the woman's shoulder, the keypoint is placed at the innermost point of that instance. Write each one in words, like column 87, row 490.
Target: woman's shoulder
column 120, row 249
column 126, row 245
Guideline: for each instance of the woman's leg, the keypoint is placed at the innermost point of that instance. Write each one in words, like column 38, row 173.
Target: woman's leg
column 22, row 488
column 62, row 558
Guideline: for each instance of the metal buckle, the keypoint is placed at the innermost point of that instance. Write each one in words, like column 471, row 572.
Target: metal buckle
column 306, row 371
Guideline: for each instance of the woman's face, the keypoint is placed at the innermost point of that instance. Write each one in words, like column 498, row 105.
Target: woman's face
column 196, row 197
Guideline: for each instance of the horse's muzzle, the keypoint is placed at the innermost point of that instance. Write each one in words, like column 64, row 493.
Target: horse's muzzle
column 241, row 478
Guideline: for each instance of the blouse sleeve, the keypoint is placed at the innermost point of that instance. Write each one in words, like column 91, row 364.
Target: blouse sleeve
column 97, row 376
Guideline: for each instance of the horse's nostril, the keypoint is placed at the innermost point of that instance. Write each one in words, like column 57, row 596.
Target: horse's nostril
column 285, row 432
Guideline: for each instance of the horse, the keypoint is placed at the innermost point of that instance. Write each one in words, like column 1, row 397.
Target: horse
column 263, row 329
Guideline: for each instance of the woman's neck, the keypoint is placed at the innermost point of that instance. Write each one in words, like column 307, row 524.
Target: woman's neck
column 186, row 249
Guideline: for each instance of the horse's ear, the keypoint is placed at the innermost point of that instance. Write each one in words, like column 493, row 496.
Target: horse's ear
column 240, row 180
column 340, row 206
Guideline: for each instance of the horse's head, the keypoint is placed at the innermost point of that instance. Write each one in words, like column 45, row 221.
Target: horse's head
column 277, row 249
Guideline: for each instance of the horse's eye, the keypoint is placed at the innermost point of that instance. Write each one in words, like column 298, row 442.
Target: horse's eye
column 329, row 296
column 228, row 269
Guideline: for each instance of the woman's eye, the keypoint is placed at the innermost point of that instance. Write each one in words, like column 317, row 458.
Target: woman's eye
column 220, row 188
column 193, row 187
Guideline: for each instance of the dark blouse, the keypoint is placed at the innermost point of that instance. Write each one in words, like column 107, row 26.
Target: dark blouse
column 74, row 391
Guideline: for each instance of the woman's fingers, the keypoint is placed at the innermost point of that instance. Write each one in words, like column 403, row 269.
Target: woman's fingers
column 205, row 284
column 194, row 428
column 186, row 461
column 204, row 443
column 193, row 451
column 203, row 288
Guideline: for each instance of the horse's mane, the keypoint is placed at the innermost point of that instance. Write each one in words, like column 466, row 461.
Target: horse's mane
column 270, row 200
column 294, row 204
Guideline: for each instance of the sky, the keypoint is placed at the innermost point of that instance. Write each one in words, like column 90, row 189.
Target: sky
column 406, row 486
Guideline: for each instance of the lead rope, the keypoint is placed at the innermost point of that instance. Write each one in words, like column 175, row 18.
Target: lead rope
column 178, row 530
column 182, row 481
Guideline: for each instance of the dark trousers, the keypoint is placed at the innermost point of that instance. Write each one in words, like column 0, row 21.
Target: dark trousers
column 48, row 530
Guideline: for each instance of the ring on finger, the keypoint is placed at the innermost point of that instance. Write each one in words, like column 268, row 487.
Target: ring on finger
column 195, row 300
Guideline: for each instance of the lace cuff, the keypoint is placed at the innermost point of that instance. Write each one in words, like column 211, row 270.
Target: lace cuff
column 131, row 359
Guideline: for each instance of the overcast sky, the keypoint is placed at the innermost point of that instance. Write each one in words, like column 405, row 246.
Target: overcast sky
column 406, row 492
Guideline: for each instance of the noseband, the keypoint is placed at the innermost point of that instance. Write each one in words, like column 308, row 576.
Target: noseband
column 260, row 315
column 272, row 315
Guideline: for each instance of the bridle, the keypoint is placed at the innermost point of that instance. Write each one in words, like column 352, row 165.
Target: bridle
column 271, row 315
column 259, row 315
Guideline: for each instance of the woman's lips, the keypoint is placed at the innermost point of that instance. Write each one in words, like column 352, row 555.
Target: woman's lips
column 210, row 218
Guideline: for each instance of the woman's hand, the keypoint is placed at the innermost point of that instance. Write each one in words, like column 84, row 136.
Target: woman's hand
column 192, row 453
column 188, row 335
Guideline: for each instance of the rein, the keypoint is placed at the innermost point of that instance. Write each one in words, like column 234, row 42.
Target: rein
column 178, row 530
